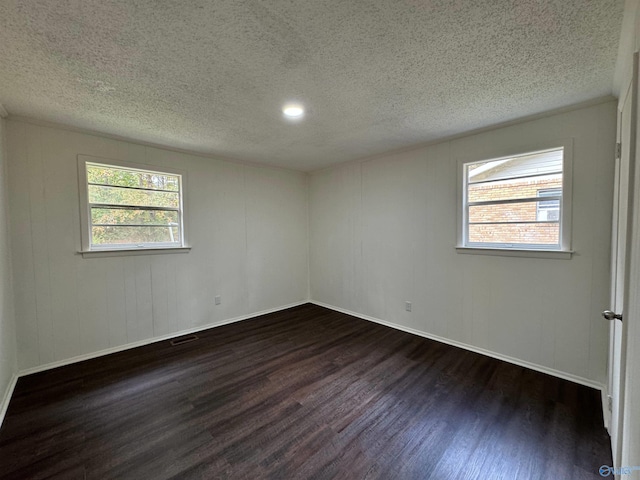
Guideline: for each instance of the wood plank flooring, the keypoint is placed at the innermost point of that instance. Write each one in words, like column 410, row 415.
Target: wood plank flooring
column 302, row 393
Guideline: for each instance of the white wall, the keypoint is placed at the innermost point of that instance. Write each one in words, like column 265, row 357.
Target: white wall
column 383, row 232
column 247, row 226
column 8, row 358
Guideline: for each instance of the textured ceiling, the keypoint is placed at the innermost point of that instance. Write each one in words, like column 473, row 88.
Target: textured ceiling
column 211, row 76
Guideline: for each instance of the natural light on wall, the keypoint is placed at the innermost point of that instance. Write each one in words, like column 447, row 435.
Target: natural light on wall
column 515, row 202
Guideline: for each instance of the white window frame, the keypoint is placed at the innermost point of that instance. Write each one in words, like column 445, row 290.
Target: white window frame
column 563, row 249
column 87, row 249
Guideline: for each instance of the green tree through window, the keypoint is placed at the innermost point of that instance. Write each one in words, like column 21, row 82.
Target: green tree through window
column 131, row 207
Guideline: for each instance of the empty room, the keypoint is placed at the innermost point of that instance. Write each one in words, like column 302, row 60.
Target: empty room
column 319, row 240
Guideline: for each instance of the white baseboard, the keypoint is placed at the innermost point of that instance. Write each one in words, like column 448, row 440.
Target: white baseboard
column 7, row 397
column 488, row 353
column 128, row 346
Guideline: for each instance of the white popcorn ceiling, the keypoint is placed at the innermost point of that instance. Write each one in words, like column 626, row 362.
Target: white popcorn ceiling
column 212, row 76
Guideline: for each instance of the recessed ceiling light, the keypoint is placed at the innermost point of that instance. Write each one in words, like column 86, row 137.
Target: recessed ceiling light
column 292, row 110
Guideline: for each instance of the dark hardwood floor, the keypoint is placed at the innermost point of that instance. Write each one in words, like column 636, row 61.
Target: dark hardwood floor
column 302, row 393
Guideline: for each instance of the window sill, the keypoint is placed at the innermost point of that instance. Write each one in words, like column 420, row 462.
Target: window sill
column 132, row 251
column 530, row 253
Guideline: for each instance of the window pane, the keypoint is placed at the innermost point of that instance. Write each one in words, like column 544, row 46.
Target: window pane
column 515, row 188
column 516, row 233
column 138, row 198
column 537, row 177
column 540, row 163
column 134, row 235
column 104, row 175
column 506, row 212
column 117, row 216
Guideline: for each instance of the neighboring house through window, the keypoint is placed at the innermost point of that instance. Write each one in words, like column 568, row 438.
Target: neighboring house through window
column 549, row 210
column 519, row 202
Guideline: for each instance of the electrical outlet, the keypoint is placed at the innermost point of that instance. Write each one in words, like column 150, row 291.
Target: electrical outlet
column 217, row 299
column 407, row 306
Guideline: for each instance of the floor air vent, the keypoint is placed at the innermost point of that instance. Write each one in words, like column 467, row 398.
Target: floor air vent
column 181, row 340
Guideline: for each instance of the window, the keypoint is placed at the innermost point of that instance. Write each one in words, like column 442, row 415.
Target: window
column 130, row 207
column 549, row 210
column 520, row 202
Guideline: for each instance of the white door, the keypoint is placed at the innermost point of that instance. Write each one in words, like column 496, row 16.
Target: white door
column 622, row 211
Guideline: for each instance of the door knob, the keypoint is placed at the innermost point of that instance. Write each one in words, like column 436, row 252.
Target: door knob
column 609, row 315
